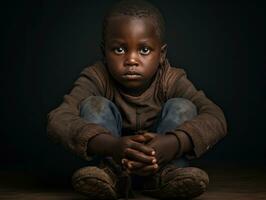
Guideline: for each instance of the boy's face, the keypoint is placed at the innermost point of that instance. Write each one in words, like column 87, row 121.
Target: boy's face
column 133, row 52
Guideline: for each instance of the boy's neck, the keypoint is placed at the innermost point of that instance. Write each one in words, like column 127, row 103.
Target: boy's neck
column 135, row 92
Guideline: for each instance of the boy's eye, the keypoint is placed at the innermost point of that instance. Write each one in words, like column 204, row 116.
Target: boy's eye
column 119, row 50
column 145, row 50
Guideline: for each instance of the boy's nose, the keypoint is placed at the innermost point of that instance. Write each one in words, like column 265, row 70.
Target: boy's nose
column 131, row 60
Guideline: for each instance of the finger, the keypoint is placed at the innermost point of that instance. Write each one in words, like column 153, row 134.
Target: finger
column 133, row 165
column 138, row 138
column 136, row 165
column 149, row 136
column 127, row 163
column 143, row 148
column 127, row 167
column 138, row 156
column 147, row 170
column 124, row 161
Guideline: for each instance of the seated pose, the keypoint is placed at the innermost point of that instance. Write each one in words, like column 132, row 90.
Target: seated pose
column 134, row 118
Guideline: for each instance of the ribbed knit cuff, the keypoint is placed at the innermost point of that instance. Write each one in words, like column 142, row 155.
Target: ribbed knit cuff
column 184, row 141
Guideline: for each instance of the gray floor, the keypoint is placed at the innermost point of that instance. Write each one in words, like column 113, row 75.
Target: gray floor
column 225, row 183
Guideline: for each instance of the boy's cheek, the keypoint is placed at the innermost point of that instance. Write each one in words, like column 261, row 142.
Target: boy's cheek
column 113, row 62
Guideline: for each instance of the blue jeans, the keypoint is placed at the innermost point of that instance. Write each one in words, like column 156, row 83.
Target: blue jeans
column 105, row 113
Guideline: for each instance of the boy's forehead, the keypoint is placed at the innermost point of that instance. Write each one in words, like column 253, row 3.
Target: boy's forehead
column 130, row 24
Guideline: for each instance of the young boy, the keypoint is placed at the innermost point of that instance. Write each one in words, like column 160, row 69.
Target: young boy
column 135, row 116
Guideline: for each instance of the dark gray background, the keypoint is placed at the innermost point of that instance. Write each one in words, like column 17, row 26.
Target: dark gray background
column 45, row 45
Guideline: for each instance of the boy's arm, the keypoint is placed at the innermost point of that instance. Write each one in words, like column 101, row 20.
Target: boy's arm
column 65, row 125
column 207, row 128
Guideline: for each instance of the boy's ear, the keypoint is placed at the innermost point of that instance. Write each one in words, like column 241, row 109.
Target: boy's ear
column 163, row 53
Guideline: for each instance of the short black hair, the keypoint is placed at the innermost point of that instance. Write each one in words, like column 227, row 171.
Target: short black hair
column 135, row 8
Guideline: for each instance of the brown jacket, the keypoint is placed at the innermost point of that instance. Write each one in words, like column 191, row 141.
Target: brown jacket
column 139, row 113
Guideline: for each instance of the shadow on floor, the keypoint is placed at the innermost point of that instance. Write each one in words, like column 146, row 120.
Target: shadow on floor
column 226, row 182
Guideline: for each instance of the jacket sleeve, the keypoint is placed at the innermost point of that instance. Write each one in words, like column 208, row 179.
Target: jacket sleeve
column 65, row 125
column 209, row 126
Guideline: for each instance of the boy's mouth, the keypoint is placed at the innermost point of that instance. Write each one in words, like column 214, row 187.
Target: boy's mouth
column 132, row 75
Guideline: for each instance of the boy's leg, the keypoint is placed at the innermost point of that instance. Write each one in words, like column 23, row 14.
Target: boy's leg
column 177, row 180
column 175, row 112
column 100, row 182
column 99, row 110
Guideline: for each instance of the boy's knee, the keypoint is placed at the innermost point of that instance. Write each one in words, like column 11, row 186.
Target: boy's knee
column 181, row 106
column 95, row 104
column 101, row 111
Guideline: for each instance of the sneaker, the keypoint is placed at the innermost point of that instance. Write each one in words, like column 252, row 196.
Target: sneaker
column 107, row 181
column 176, row 183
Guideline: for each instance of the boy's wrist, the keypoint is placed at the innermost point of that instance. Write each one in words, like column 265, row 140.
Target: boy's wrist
column 102, row 144
column 185, row 144
column 185, row 141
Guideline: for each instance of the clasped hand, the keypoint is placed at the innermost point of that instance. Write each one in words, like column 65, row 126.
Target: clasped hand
column 144, row 154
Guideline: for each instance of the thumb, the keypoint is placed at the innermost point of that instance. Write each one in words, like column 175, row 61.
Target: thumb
column 139, row 138
column 149, row 136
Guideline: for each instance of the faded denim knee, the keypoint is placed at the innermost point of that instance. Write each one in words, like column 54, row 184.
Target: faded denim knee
column 99, row 110
column 175, row 112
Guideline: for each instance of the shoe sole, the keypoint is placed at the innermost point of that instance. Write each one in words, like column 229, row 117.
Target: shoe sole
column 87, row 182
